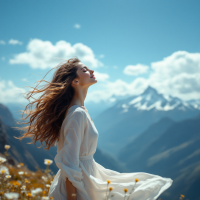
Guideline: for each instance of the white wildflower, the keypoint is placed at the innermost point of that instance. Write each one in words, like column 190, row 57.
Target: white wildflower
column 11, row 195
column 4, row 170
column 36, row 191
column 21, row 173
column 23, row 187
column 45, row 198
column 2, row 159
column 48, row 161
column 7, row 146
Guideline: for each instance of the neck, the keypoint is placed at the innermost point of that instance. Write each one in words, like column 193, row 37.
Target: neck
column 79, row 96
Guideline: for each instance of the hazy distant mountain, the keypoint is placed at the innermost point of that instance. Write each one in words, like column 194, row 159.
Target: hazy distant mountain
column 134, row 149
column 120, row 124
column 6, row 115
column 175, row 153
column 15, row 109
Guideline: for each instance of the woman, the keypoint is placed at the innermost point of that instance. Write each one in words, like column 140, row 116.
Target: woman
column 60, row 116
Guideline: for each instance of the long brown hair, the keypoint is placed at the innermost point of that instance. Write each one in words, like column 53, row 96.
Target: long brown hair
column 49, row 112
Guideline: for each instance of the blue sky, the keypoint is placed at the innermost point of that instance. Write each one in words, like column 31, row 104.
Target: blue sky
column 129, row 44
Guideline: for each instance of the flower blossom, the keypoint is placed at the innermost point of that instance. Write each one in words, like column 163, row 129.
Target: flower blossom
column 7, row 146
column 11, row 195
column 2, row 159
column 48, row 161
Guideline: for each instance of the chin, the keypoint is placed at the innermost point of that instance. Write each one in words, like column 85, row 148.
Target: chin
column 94, row 82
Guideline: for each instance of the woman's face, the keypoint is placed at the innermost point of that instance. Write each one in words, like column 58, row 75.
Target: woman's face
column 85, row 76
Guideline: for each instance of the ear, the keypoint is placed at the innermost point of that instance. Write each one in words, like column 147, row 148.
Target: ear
column 75, row 82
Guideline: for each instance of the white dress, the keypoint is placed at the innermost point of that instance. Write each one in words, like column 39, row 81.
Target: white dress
column 76, row 146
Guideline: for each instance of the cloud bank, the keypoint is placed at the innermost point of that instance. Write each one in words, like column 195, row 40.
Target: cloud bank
column 43, row 54
column 177, row 74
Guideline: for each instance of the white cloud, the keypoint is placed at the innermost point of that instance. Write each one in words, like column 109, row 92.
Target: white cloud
column 2, row 42
column 117, row 88
column 9, row 92
column 43, row 54
column 77, row 26
column 14, row 42
column 3, row 58
column 178, row 75
column 134, row 70
column 101, row 76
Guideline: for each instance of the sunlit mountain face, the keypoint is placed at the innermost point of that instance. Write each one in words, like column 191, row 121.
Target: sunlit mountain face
column 150, row 99
column 124, row 121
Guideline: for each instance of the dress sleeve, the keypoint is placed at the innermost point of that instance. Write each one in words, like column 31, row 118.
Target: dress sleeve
column 67, row 159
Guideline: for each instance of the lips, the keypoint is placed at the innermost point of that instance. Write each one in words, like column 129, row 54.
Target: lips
column 92, row 76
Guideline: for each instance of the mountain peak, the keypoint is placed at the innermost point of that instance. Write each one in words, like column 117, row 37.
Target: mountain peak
column 151, row 90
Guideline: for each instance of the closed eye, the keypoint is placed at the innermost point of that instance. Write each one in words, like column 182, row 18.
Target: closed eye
column 85, row 68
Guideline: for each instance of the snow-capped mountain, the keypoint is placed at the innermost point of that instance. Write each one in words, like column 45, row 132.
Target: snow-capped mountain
column 129, row 117
column 194, row 103
column 151, row 99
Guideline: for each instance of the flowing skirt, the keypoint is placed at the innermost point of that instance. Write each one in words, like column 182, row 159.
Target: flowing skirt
column 95, row 176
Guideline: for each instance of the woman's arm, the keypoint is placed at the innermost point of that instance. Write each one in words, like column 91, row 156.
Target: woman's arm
column 70, row 190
